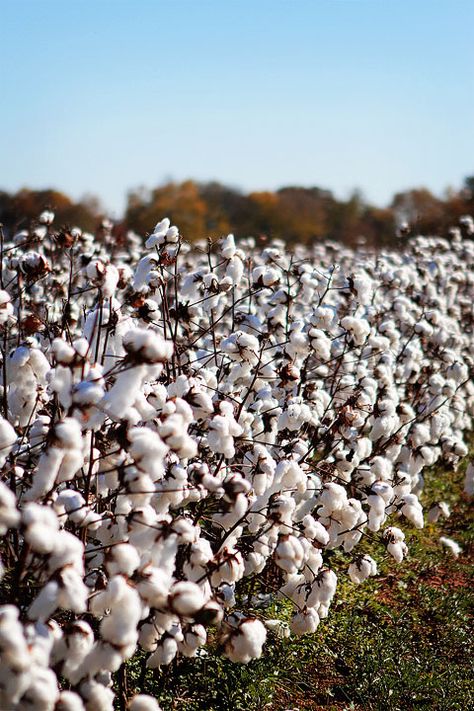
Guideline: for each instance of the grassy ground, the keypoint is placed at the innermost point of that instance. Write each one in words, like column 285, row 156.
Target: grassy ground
column 401, row 641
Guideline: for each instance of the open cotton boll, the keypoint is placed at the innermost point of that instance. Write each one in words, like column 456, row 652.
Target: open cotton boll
column 412, row 510
column 357, row 328
column 452, row 546
column 7, row 440
column 146, row 346
column 241, row 346
column 124, row 558
column 158, row 236
column 45, row 603
column 97, row 696
column 69, row 701
column 148, row 450
column 245, row 640
column 42, row 692
column 227, row 246
column 305, row 621
column 6, row 307
column 394, row 540
column 186, row 598
column 194, row 637
column 289, row 554
column 362, row 568
column 143, row 702
column 165, row 652
column 9, row 515
column 440, row 508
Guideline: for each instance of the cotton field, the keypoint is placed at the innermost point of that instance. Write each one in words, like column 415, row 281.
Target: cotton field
column 192, row 431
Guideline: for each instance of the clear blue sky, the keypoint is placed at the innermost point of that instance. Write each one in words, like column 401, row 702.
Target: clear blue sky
column 101, row 96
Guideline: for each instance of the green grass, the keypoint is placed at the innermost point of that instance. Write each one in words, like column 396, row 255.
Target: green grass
column 401, row 641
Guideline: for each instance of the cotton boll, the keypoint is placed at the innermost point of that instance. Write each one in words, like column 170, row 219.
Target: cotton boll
column 97, row 697
column 412, row 510
column 438, row 509
column 42, row 693
column 245, row 639
column 362, row 568
column 124, row 558
column 143, row 702
column 289, row 554
column 9, row 515
column 146, row 346
column 7, row 440
column 453, row 547
column 186, row 598
column 164, row 654
column 45, row 603
column 194, row 637
column 304, row 622
column 6, row 307
column 69, row 701
column 394, row 540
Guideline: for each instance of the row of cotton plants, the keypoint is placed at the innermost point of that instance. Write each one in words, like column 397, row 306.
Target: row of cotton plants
column 190, row 432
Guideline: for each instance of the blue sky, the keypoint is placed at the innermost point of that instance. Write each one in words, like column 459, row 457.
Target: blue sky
column 99, row 96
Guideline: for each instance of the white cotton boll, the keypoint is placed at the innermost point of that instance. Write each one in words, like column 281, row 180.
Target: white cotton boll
column 173, row 431
column 67, row 550
column 245, row 641
column 419, row 435
column 97, row 696
column 69, row 701
column 158, row 236
column 394, row 539
column 362, row 287
column 124, row 559
column 227, row 246
column 148, row 450
column 9, row 515
column 194, row 637
column 324, row 588
column 235, row 270
column 143, row 702
column 6, row 307
column 146, row 346
column 295, row 415
column 228, row 566
column 41, row 527
column 376, row 515
column 362, row 568
column 186, row 598
column 314, row 530
column 453, row 547
column 357, row 328
column 304, row 622
column 73, row 593
column 73, row 504
column 164, row 654
column 333, row 497
column 45, row 603
column 241, row 346
column 412, row 510
column 289, row 554
column 440, row 508
column 265, row 276
column 7, row 440
column 42, row 692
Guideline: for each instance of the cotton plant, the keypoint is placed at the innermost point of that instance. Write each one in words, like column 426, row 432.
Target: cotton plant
column 184, row 422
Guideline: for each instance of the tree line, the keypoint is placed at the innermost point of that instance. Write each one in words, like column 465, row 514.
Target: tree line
column 211, row 209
